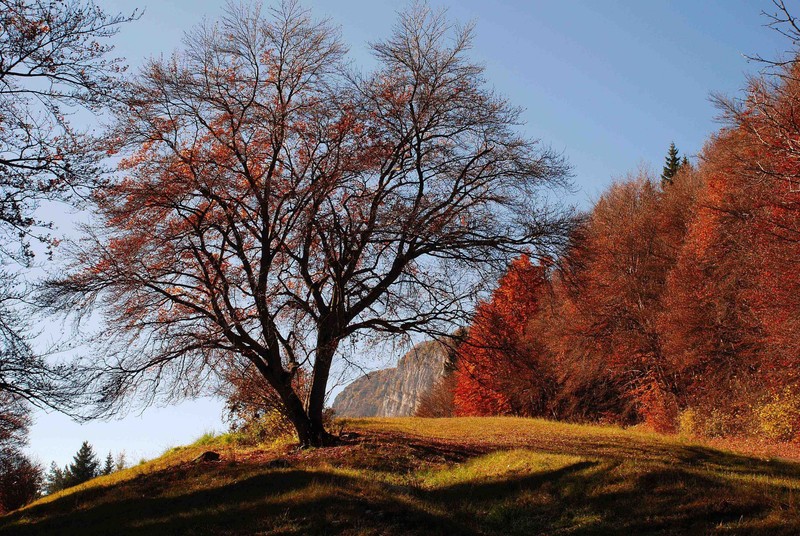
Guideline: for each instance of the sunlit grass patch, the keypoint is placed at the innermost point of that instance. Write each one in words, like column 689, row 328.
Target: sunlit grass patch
column 494, row 465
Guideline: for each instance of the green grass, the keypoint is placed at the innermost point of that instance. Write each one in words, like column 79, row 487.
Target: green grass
column 437, row 476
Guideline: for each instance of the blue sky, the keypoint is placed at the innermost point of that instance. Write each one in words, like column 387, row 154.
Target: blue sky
column 610, row 83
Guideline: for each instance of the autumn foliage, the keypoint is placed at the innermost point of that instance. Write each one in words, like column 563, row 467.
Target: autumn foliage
column 675, row 306
column 500, row 371
column 273, row 206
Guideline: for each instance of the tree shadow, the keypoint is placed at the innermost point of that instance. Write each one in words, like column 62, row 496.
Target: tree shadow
column 589, row 496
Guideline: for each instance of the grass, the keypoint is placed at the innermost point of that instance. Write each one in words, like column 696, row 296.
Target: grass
column 437, row 476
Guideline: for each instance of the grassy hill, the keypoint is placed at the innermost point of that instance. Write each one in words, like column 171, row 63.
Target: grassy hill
column 437, row 476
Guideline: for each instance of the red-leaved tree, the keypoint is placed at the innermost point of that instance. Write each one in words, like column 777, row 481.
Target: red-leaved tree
column 500, row 370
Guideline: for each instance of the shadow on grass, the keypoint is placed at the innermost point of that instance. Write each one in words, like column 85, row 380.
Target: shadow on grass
column 580, row 498
column 630, row 490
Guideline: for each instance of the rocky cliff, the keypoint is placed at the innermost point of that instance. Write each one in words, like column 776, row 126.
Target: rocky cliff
column 394, row 392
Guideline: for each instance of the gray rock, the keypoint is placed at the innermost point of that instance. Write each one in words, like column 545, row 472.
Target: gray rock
column 394, row 392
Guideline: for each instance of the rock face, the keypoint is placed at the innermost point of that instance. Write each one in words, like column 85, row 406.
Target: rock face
column 394, row 392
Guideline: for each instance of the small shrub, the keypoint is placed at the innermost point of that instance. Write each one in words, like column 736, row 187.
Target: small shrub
column 688, row 423
column 657, row 408
column 718, row 423
column 778, row 418
column 205, row 440
column 695, row 422
column 267, row 428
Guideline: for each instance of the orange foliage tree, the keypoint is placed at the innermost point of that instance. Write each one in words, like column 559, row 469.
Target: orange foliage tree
column 730, row 324
column 711, row 334
column 611, row 289
column 275, row 205
column 767, row 117
column 500, row 370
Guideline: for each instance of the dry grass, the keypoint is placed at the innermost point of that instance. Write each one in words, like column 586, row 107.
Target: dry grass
column 437, row 476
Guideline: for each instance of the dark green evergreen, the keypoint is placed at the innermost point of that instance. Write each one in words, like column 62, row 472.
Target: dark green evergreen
column 56, row 479
column 672, row 165
column 84, row 466
column 108, row 467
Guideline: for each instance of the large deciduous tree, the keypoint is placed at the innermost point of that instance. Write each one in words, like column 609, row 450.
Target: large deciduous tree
column 609, row 293
column 275, row 204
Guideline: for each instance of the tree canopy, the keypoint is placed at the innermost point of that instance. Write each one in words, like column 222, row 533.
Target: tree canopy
column 274, row 203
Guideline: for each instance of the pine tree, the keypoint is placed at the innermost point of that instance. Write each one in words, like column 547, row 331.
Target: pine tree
column 84, row 466
column 671, row 166
column 56, row 479
column 108, row 467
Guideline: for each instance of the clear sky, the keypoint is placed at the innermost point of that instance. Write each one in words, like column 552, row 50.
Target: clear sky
column 609, row 82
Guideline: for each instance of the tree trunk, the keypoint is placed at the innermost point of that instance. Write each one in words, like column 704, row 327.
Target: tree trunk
column 296, row 413
column 308, row 424
column 310, row 432
column 319, row 383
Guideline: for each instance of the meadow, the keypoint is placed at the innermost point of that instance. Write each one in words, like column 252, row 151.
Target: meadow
column 436, row 476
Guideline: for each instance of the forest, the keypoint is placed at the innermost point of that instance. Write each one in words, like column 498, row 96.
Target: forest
column 258, row 208
column 674, row 305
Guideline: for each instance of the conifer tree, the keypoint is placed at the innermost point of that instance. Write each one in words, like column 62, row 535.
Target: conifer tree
column 84, row 466
column 108, row 466
column 671, row 166
column 56, row 479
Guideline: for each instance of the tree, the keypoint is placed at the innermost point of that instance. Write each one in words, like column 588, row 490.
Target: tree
column 14, row 421
column 253, row 407
column 608, row 293
column 671, row 166
column 711, row 334
column 275, row 205
column 53, row 62
column 20, row 480
column 54, row 59
column 439, row 400
column 108, row 465
column 120, row 462
column 501, row 371
column 85, row 466
column 55, row 479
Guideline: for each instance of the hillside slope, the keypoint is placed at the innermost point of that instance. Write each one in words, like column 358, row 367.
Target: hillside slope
column 443, row 476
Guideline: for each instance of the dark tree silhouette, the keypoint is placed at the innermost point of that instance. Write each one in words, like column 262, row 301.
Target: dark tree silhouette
column 20, row 480
column 671, row 165
column 53, row 62
column 85, row 465
column 108, row 465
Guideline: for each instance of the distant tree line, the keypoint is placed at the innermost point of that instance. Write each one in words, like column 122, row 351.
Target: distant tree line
column 85, row 466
